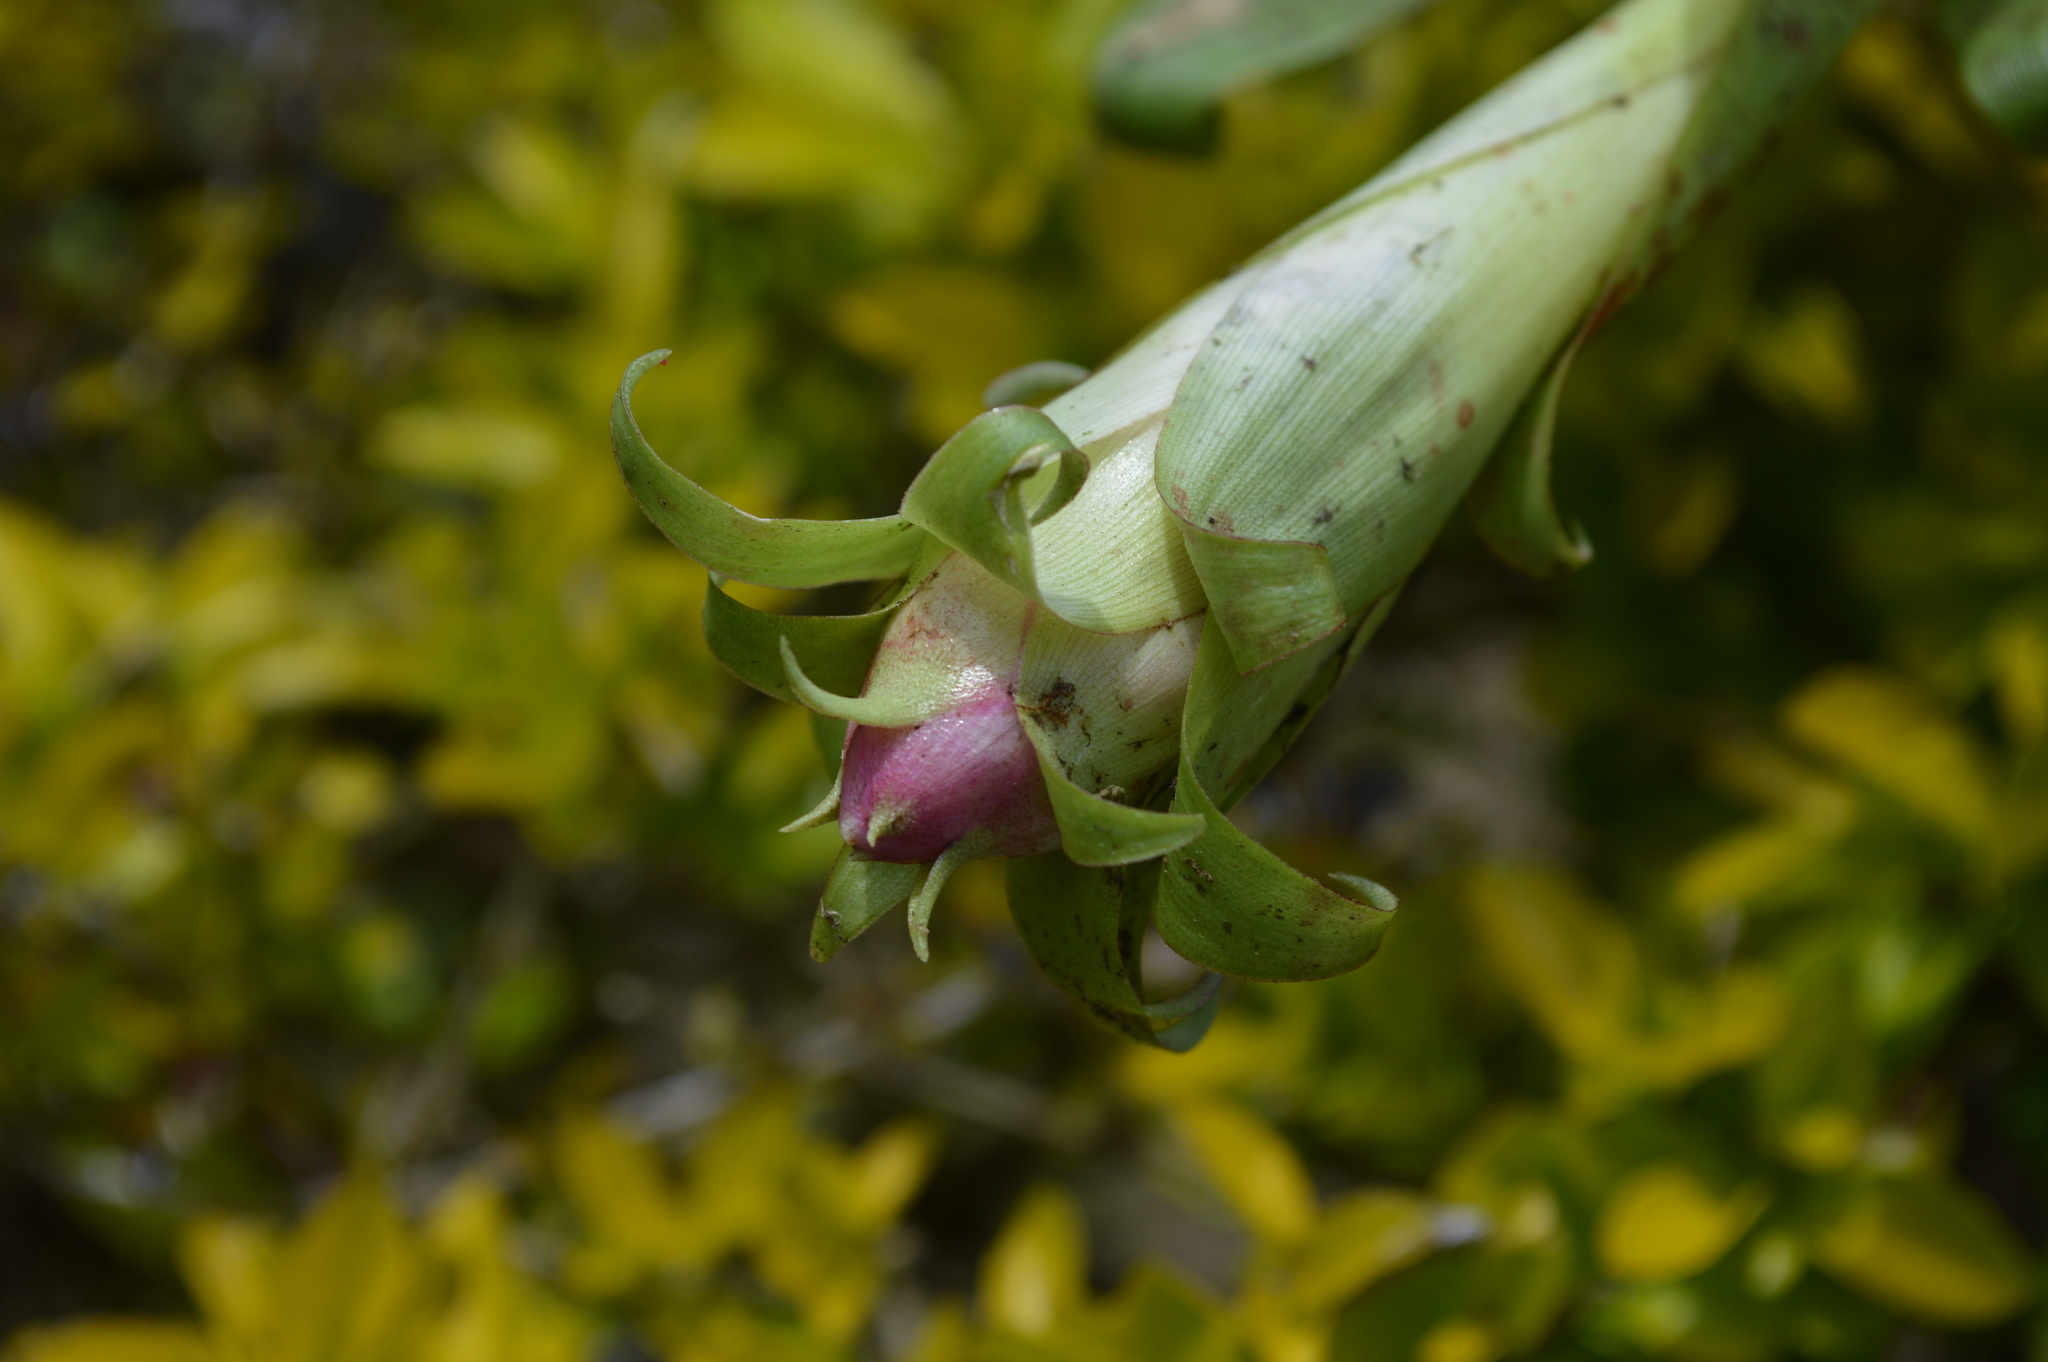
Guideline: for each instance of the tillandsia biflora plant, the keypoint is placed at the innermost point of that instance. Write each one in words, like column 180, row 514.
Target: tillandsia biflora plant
column 1115, row 610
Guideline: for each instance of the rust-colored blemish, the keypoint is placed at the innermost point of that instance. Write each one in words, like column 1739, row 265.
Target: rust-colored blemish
column 1436, row 379
column 1466, row 413
column 1056, row 703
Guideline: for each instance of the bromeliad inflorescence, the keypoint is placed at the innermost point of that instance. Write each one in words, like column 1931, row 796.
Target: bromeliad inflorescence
column 1117, row 610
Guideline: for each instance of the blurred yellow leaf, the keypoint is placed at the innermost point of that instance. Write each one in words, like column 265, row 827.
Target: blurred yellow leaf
column 1931, row 1250
column 1253, row 1166
column 2018, row 655
column 230, row 1267
column 619, row 1188
column 1242, row 1054
column 203, row 300
column 1153, row 1316
column 1037, row 1268
column 1738, row 1016
column 346, row 792
column 951, row 327
column 1459, row 1340
column 1361, row 1237
column 1740, row 867
column 1808, row 359
column 110, row 1340
column 1889, row 731
column 830, row 103
column 1811, row 812
column 645, row 266
column 496, row 1313
column 465, row 447
column 833, row 54
column 1663, row 1223
column 350, row 1285
column 1568, row 961
column 1889, row 68
column 886, row 1171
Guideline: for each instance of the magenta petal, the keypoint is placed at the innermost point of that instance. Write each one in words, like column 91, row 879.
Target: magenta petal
column 969, row 772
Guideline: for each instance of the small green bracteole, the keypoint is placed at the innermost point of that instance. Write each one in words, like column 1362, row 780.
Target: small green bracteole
column 1115, row 611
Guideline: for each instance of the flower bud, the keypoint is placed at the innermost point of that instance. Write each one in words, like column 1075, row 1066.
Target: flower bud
column 1118, row 611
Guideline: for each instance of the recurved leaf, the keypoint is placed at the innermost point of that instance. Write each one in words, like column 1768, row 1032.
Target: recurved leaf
column 782, row 553
column 1511, row 500
column 1228, row 903
column 983, row 491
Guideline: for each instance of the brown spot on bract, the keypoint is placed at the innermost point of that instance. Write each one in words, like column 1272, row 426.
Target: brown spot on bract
column 1324, row 516
column 1224, row 522
column 1056, row 704
column 1466, row 413
column 1308, row 364
column 1436, row 378
column 1180, row 499
column 1229, row 930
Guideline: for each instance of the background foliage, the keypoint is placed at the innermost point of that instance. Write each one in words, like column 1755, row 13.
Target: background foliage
column 395, row 959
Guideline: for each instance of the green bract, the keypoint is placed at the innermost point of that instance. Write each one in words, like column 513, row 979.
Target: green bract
column 1160, row 574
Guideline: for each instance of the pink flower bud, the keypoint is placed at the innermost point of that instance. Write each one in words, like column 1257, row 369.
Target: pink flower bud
column 966, row 775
